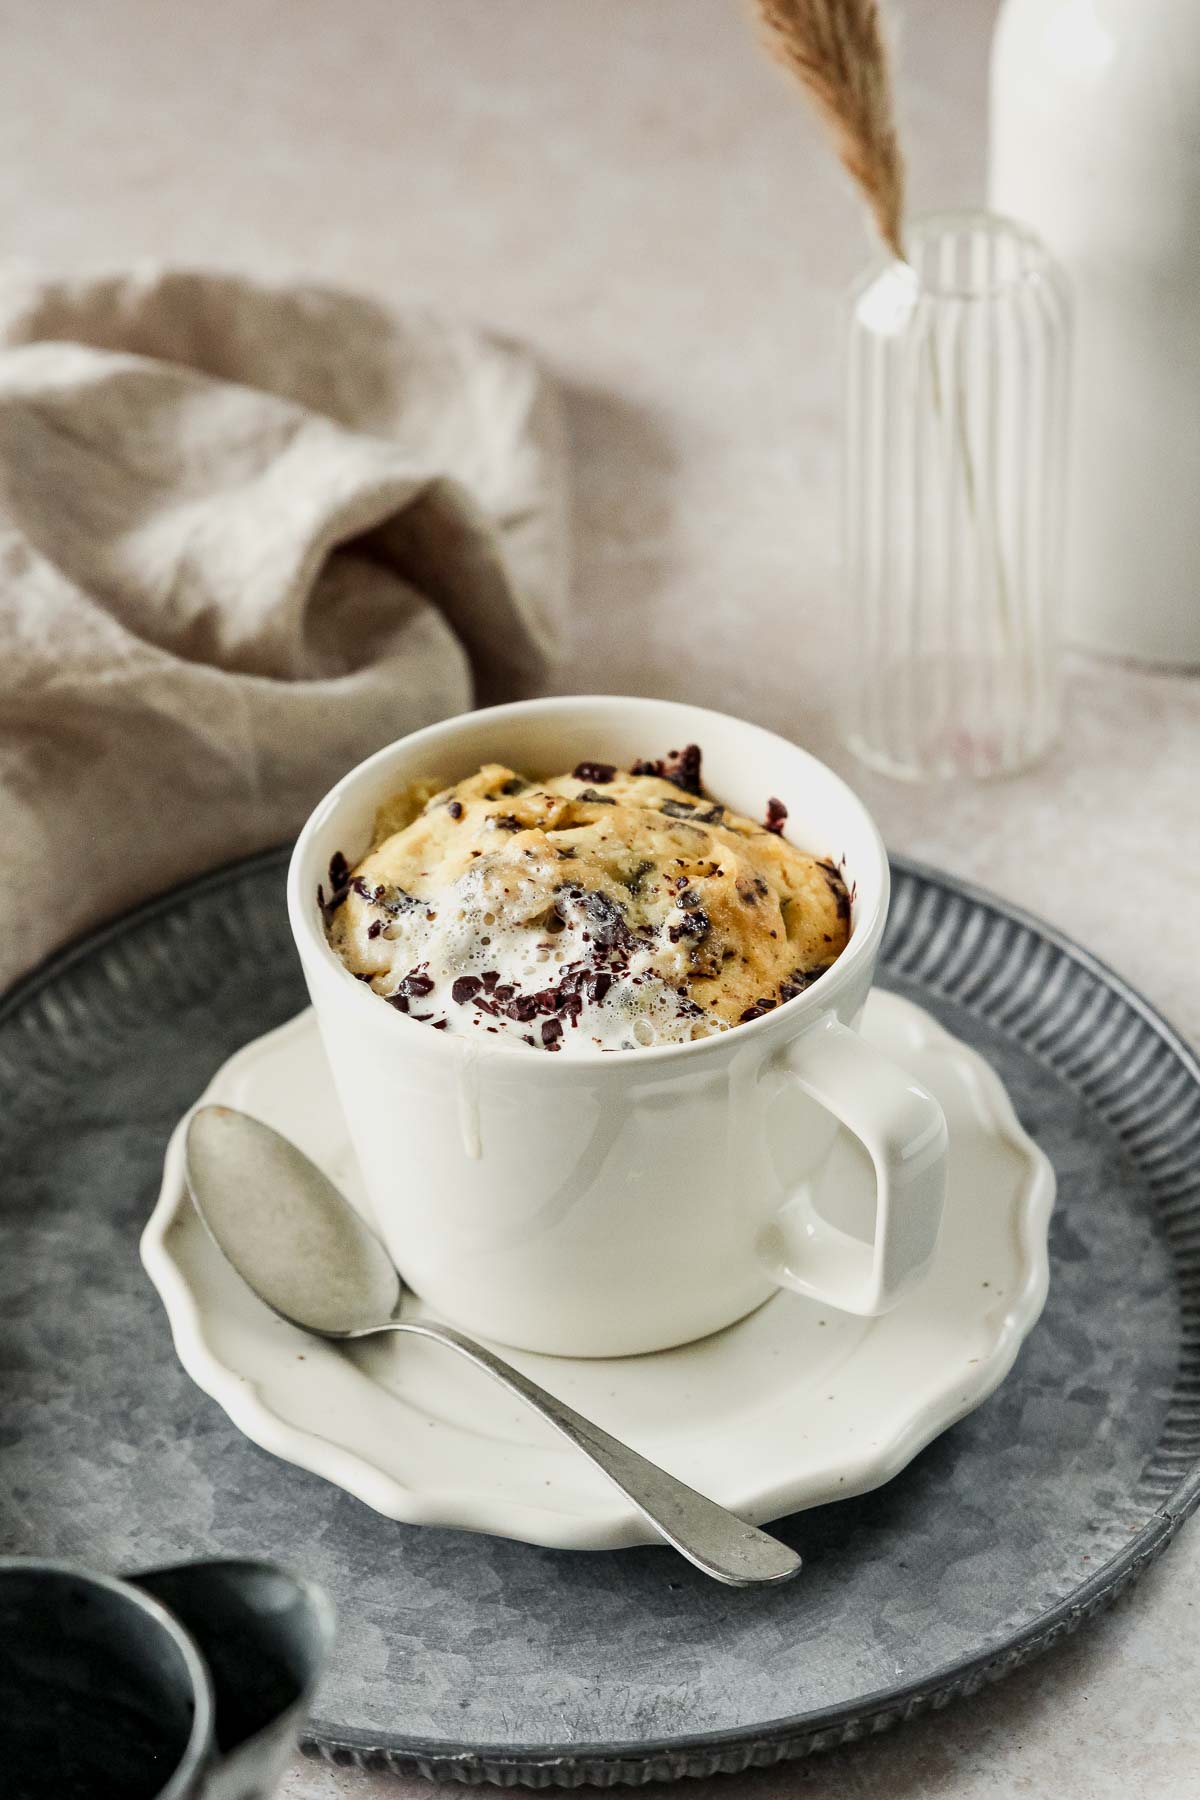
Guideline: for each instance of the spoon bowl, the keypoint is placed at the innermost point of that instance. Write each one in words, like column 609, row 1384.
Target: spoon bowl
column 288, row 1231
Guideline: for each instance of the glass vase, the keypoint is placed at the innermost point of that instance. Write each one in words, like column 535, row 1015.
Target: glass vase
column 954, row 451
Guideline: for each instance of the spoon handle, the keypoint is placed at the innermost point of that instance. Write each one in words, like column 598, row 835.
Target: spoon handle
column 716, row 1541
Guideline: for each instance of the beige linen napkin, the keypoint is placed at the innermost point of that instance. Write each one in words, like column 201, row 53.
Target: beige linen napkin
column 247, row 535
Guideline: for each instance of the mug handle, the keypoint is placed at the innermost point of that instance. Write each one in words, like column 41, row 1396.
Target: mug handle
column 904, row 1131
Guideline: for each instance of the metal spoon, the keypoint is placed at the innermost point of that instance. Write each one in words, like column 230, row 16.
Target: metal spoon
column 302, row 1248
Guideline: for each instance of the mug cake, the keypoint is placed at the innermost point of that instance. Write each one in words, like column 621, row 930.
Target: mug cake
column 605, row 908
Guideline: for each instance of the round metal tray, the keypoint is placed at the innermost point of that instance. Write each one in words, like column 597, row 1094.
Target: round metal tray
column 473, row 1658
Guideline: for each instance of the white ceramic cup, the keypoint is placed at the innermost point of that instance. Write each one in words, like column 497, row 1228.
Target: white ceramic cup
column 598, row 1203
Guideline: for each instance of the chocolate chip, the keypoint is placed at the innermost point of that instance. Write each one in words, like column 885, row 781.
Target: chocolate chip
column 714, row 816
column 800, row 979
column 683, row 768
column 757, row 1011
column 393, row 900
column 599, row 772
column 375, row 927
column 339, row 883
column 607, row 919
column 465, row 988
column 776, row 815
column 695, row 923
column 596, row 799
column 677, row 809
column 552, row 1033
column 514, row 785
column 455, row 809
column 837, row 887
column 504, row 822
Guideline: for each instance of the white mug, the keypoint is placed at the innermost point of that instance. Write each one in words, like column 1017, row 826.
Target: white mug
column 599, row 1203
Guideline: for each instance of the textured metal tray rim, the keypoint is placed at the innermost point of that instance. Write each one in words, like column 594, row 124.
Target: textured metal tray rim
column 76, row 949
column 735, row 1751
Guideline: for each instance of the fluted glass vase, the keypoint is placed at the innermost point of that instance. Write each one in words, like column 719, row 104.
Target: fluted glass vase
column 954, row 448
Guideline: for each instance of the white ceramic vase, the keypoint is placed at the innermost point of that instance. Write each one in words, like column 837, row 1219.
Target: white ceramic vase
column 1096, row 145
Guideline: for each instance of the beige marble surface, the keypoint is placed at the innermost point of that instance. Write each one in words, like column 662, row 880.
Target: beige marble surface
column 624, row 184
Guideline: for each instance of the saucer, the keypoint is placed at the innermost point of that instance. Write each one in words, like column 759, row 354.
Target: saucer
column 793, row 1407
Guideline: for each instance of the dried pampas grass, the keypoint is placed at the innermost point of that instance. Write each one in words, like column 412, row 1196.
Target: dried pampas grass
column 837, row 51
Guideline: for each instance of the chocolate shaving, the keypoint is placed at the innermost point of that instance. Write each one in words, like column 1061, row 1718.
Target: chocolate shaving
column 413, row 987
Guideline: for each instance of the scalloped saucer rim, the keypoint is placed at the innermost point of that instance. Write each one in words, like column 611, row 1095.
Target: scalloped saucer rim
column 793, row 1407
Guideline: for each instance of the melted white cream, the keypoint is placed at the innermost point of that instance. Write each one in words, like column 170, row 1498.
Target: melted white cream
column 496, row 941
